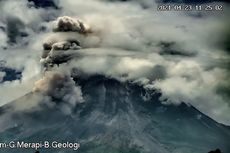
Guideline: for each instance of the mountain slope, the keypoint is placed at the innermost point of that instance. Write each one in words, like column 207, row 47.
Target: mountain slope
column 115, row 117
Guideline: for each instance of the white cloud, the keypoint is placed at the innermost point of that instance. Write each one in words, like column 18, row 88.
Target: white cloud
column 189, row 77
column 2, row 74
column 126, row 43
column 3, row 38
column 11, row 90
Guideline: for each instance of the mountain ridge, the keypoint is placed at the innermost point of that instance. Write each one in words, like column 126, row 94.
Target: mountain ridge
column 114, row 115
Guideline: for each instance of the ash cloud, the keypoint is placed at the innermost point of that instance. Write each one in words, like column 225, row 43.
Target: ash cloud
column 65, row 24
column 54, row 49
column 60, row 88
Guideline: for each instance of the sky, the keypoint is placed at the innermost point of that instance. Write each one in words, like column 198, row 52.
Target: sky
column 184, row 55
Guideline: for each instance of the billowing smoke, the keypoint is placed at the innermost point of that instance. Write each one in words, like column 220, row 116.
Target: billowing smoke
column 60, row 88
column 65, row 24
column 54, row 49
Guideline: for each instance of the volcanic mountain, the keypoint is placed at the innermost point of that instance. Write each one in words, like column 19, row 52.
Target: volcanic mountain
column 115, row 117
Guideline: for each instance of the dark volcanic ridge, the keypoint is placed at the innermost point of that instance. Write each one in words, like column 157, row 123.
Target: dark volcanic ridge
column 114, row 117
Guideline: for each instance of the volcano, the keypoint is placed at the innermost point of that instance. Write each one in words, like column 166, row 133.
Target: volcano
column 116, row 117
